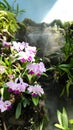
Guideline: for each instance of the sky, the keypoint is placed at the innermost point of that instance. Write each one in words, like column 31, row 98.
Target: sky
column 62, row 9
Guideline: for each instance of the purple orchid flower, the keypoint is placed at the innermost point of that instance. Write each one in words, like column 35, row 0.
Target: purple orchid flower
column 36, row 68
column 35, row 90
column 18, row 86
column 6, row 44
column 18, row 46
column 4, row 105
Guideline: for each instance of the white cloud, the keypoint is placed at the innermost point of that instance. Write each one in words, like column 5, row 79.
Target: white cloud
column 63, row 10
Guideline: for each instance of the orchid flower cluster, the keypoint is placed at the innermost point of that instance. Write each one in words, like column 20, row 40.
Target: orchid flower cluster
column 19, row 73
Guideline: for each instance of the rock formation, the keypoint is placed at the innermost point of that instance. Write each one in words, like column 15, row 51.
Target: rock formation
column 48, row 39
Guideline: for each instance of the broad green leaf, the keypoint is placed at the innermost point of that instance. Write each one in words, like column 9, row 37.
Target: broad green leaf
column 44, row 74
column 65, row 69
column 59, row 115
column 60, row 127
column 65, row 65
column 25, row 102
column 29, row 77
column 4, row 92
column 71, row 121
column 18, row 110
column 35, row 100
column 40, row 127
column 51, row 68
column 65, row 118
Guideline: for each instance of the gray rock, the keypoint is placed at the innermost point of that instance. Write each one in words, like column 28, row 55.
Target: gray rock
column 48, row 40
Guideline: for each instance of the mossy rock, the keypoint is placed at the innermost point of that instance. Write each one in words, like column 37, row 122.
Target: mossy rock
column 28, row 22
column 20, row 34
column 57, row 22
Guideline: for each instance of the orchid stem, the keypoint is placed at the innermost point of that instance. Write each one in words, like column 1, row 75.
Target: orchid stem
column 4, row 125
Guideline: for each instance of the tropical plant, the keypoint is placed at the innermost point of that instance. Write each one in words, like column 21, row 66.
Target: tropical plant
column 63, row 74
column 8, row 24
column 21, row 94
column 19, row 88
column 4, row 5
column 64, row 122
column 68, row 27
column 63, row 70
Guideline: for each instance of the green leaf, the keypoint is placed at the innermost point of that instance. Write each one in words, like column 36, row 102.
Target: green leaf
column 7, row 4
column 35, row 100
column 2, row 5
column 71, row 121
column 4, row 92
column 51, row 68
column 65, row 69
column 65, row 118
column 18, row 110
column 25, row 102
column 68, row 86
column 40, row 127
column 17, row 9
column 65, row 65
column 44, row 74
column 71, row 61
column 63, row 90
column 1, row 62
column 71, row 127
column 59, row 115
column 6, row 61
column 60, row 127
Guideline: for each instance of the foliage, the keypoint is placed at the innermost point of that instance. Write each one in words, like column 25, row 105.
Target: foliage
column 4, row 5
column 21, row 32
column 57, row 22
column 8, row 24
column 17, row 65
column 19, row 74
column 29, row 22
column 64, row 122
column 21, row 93
column 68, row 27
column 60, row 71
column 63, row 70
